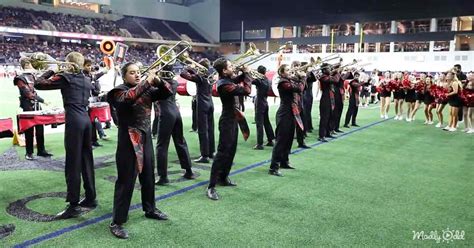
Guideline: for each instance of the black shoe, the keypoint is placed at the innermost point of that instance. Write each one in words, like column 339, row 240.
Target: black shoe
column 347, row 126
column 88, row 204
column 212, row 194
column 29, row 156
column 96, row 144
column 157, row 215
column 258, row 147
column 44, row 154
column 333, row 133
column 275, row 173
column 211, row 156
column 322, row 140
column 339, row 131
column 71, row 211
column 304, row 146
column 287, row 166
column 269, row 143
column 355, row 125
column 227, row 182
column 118, row 231
column 330, row 136
column 189, row 175
column 163, row 181
column 202, row 159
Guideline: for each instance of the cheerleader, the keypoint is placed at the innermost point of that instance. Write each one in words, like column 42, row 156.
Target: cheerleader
column 385, row 95
column 468, row 93
column 454, row 100
column 410, row 97
column 420, row 95
column 429, row 100
column 398, row 96
column 440, row 98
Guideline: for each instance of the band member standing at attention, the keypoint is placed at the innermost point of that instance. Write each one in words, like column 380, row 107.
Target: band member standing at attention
column 75, row 89
column 262, row 119
column 351, row 113
column 335, row 122
column 229, row 88
column 29, row 101
column 134, row 156
column 327, row 101
column 205, row 111
column 287, row 115
column 171, row 125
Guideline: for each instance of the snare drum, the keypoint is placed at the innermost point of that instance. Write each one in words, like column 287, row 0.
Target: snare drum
column 185, row 87
column 99, row 110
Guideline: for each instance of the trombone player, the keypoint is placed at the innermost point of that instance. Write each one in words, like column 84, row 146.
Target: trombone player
column 230, row 87
column 75, row 89
column 198, row 72
column 29, row 101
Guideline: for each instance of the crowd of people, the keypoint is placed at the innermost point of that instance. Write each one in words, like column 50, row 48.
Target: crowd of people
column 24, row 18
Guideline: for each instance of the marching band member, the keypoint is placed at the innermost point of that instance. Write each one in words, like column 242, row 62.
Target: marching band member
column 29, row 101
column 134, row 156
column 230, row 88
column 327, row 102
column 300, row 131
column 308, row 100
column 339, row 103
column 287, row 115
column 205, row 111
column 171, row 125
column 353, row 102
column 96, row 125
column 75, row 89
column 262, row 119
column 454, row 100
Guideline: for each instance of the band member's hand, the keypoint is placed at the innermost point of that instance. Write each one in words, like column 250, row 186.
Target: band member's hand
column 151, row 75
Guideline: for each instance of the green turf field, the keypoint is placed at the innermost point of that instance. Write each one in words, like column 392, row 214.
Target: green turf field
column 373, row 186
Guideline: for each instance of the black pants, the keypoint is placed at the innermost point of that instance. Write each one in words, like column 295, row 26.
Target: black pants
column 79, row 160
column 263, row 123
column 171, row 127
column 29, row 134
column 222, row 164
column 325, row 112
column 337, row 113
column 205, row 126
column 127, row 175
column 285, row 132
column 194, row 125
column 351, row 112
column 96, row 129
column 307, row 108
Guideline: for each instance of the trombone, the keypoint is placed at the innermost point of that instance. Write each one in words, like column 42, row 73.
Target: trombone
column 40, row 61
column 185, row 59
column 167, row 56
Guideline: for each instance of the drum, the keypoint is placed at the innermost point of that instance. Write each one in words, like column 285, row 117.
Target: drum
column 6, row 127
column 185, row 87
column 99, row 110
column 29, row 119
